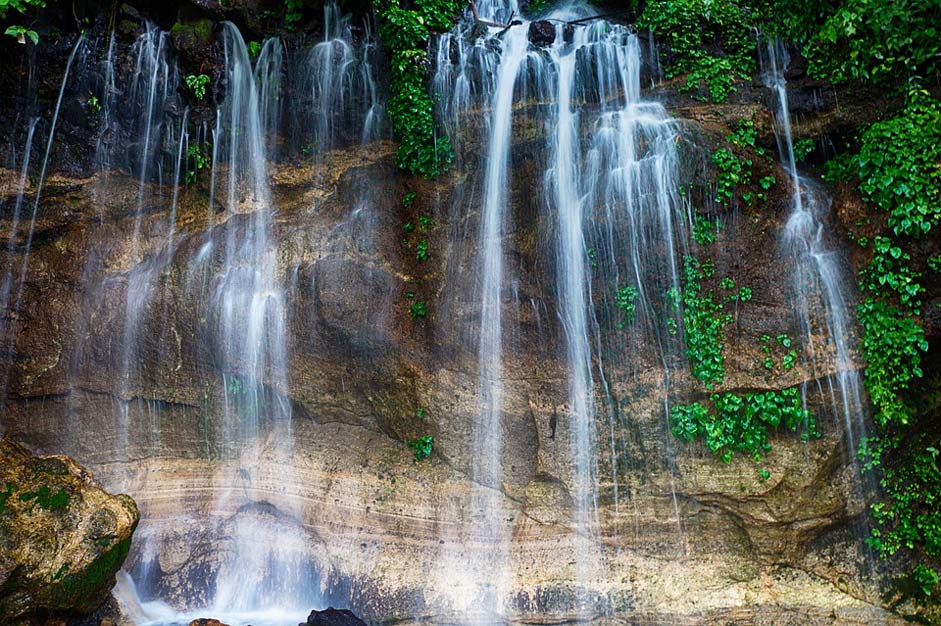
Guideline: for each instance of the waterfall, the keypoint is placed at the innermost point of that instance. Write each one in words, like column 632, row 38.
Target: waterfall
column 822, row 296
column 337, row 88
column 267, row 568
column 611, row 168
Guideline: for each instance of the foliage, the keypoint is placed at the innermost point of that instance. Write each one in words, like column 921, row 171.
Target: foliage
column 892, row 345
column 22, row 33
column 624, row 300
column 411, row 109
column 418, row 309
column 94, row 104
column 910, row 516
column 293, row 12
column 734, row 171
column 802, row 148
column 781, row 343
column 712, row 42
column 899, row 166
column 877, row 40
column 704, row 321
column 20, row 6
column 898, row 171
column 197, row 84
column 740, row 423
column 254, row 48
column 196, row 161
column 890, row 271
column 422, row 447
column 704, row 231
column 421, row 250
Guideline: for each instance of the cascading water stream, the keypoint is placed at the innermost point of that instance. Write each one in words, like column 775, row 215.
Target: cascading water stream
column 267, row 569
column 336, row 87
column 821, row 293
column 624, row 173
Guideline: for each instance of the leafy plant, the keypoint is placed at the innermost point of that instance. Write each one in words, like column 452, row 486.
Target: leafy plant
column 22, row 34
column 624, row 300
column 94, row 104
column 899, row 166
column 421, row 250
column 732, row 423
column 293, row 12
column 734, row 171
column 405, row 32
column 418, row 309
column 704, row 321
column 196, row 161
column 690, row 28
column 704, row 231
column 197, row 85
column 802, row 148
column 422, row 447
column 254, row 48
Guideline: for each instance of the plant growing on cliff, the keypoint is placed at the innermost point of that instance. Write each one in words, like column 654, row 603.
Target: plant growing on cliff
column 418, row 309
column 898, row 171
column 624, row 300
column 196, row 162
column 197, row 85
column 422, row 447
column 405, row 32
column 729, row 422
column 734, row 166
column 21, row 33
column 711, row 42
column 293, row 12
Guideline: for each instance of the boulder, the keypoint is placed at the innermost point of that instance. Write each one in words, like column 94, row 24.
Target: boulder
column 62, row 537
column 332, row 617
column 541, row 33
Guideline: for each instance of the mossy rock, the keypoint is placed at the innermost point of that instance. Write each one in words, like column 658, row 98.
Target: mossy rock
column 192, row 35
column 62, row 538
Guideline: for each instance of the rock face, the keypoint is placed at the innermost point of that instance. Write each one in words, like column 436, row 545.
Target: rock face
column 62, row 538
column 686, row 538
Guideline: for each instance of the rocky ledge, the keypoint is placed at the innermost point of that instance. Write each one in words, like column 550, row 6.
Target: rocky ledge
column 62, row 537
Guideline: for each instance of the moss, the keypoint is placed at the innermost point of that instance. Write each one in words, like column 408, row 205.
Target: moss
column 6, row 495
column 203, row 29
column 192, row 33
column 58, row 501
column 85, row 589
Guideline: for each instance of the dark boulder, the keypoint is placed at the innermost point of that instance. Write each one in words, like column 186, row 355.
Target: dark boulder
column 333, row 617
column 542, row 33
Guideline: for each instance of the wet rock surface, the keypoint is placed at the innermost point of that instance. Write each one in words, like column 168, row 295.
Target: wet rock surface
column 62, row 538
column 333, row 617
column 687, row 539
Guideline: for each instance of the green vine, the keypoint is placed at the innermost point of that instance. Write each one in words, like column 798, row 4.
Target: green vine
column 734, row 171
column 405, row 32
column 898, row 170
column 695, row 32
